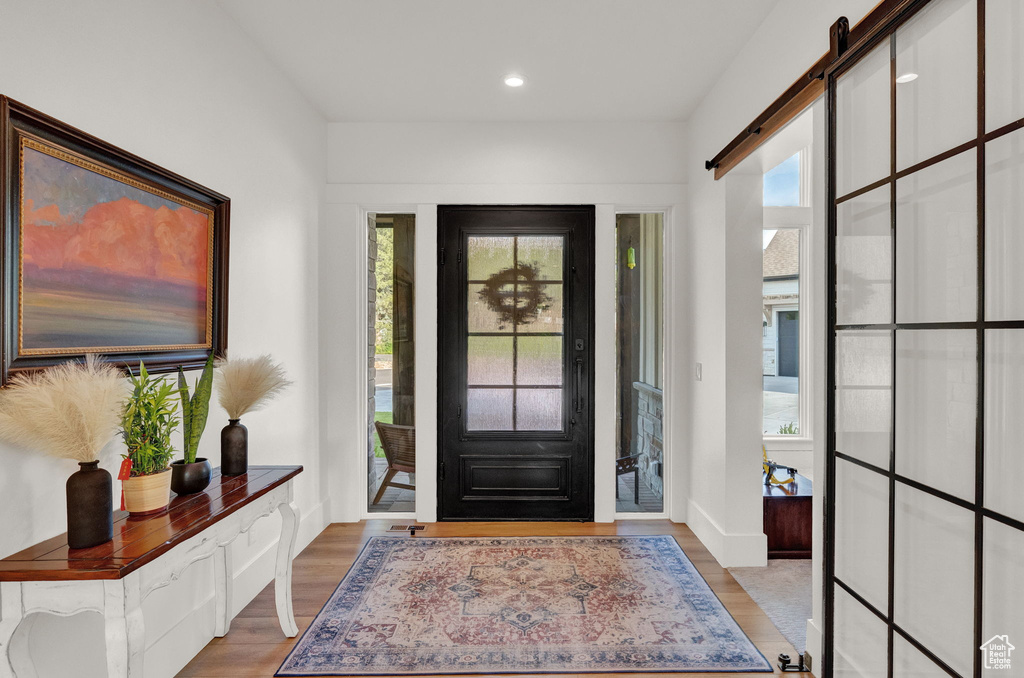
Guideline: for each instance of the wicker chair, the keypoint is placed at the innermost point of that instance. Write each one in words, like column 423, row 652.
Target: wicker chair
column 624, row 465
column 399, row 443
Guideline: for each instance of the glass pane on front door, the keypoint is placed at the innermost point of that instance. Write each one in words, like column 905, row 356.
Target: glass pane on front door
column 515, row 343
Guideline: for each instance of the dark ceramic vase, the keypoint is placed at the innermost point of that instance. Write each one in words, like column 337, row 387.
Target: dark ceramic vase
column 190, row 478
column 89, row 506
column 234, row 449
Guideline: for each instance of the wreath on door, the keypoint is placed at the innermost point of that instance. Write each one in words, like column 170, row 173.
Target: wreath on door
column 515, row 295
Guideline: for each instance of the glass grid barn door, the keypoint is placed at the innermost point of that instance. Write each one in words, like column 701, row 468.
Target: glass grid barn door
column 924, row 528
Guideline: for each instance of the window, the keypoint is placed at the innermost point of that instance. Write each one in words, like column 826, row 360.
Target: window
column 639, row 267
column 781, row 336
column 785, row 324
column 515, row 333
column 389, row 482
column 782, row 186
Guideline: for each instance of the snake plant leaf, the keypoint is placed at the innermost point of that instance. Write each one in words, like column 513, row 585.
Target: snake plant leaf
column 200, row 407
column 186, row 416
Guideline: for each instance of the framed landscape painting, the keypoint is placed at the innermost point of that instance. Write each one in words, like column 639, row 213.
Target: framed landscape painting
column 105, row 253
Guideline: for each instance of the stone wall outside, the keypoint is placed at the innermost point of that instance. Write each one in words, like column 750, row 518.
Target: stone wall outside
column 650, row 444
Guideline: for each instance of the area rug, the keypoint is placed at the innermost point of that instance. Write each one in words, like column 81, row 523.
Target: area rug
column 420, row 605
column 783, row 591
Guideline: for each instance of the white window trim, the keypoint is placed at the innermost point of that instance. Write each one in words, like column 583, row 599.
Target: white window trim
column 805, row 177
column 799, row 218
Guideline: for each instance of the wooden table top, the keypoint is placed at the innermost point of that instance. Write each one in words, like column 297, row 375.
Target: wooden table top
column 801, row 488
column 139, row 540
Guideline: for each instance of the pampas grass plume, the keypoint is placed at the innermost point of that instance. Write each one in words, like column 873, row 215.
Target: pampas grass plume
column 70, row 411
column 246, row 384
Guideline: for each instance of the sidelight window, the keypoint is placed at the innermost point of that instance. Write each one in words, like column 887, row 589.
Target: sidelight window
column 391, row 462
column 639, row 271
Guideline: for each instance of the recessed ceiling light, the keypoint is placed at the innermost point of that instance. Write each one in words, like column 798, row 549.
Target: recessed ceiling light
column 513, row 80
column 906, row 77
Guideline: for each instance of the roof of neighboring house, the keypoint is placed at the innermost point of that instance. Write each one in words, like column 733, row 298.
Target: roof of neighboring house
column 782, row 256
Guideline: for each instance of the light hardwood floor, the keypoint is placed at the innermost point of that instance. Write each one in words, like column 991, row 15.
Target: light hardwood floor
column 255, row 646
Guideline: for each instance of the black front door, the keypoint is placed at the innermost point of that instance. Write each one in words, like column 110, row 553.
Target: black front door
column 516, row 305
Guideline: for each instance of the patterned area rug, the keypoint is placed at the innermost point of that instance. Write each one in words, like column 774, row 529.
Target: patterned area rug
column 522, row 605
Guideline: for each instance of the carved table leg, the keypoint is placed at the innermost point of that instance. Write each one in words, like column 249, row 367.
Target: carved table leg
column 20, row 656
column 283, row 577
column 125, row 627
column 224, row 577
column 11, row 615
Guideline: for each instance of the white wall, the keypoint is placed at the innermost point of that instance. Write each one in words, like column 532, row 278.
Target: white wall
column 178, row 84
column 725, row 282
column 506, row 153
column 414, row 167
column 790, row 39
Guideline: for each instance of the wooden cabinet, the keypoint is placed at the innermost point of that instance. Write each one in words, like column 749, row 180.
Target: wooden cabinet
column 787, row 519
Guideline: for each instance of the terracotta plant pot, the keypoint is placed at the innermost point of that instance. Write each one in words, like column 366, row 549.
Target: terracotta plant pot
column 147, row 494
column 190, row 478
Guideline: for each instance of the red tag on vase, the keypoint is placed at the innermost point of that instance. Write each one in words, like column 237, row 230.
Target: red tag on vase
column 123, row 474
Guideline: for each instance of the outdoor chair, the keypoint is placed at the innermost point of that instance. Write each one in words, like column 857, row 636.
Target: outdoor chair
column 399, row 443
column 624, row 465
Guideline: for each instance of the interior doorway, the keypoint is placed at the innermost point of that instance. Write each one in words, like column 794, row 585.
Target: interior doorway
column 778, row 176
column 515, row 363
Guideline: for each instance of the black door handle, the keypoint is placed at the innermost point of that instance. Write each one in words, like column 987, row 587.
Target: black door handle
column 579, row 384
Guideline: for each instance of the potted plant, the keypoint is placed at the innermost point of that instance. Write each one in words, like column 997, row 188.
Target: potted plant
column 70, row 411
column 244, row 385
column 148, row 422
column 192, row 474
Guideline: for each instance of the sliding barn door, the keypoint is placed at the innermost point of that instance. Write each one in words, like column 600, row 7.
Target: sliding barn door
column 925, row 509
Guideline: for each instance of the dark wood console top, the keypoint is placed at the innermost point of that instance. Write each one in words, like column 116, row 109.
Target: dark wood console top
column 139, row 540
column 801, row 488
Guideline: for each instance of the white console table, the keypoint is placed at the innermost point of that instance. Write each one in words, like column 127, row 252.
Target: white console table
column 146, row 553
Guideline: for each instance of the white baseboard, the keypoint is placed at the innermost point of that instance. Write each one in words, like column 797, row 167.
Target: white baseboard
column 730, row 550
column 168, row 654
column 814, row 644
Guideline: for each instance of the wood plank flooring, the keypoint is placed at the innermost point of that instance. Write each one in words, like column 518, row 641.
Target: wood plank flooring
column 255, row 646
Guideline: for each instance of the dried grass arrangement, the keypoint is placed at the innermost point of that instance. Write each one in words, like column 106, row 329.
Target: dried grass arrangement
column 70, row 411
column 247, row 384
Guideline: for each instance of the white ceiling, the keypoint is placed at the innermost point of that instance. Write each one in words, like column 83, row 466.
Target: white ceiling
column 444, row 60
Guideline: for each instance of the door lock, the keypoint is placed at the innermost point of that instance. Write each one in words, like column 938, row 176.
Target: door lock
column 580, row 345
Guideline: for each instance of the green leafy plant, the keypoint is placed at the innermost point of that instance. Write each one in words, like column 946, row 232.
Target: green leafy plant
column 384, row 307
column 148, row 421
column 195, row 410
column 378, row 447
column 789, row 429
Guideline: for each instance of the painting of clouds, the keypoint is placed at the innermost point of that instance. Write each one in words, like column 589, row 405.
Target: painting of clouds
column 108, row 265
